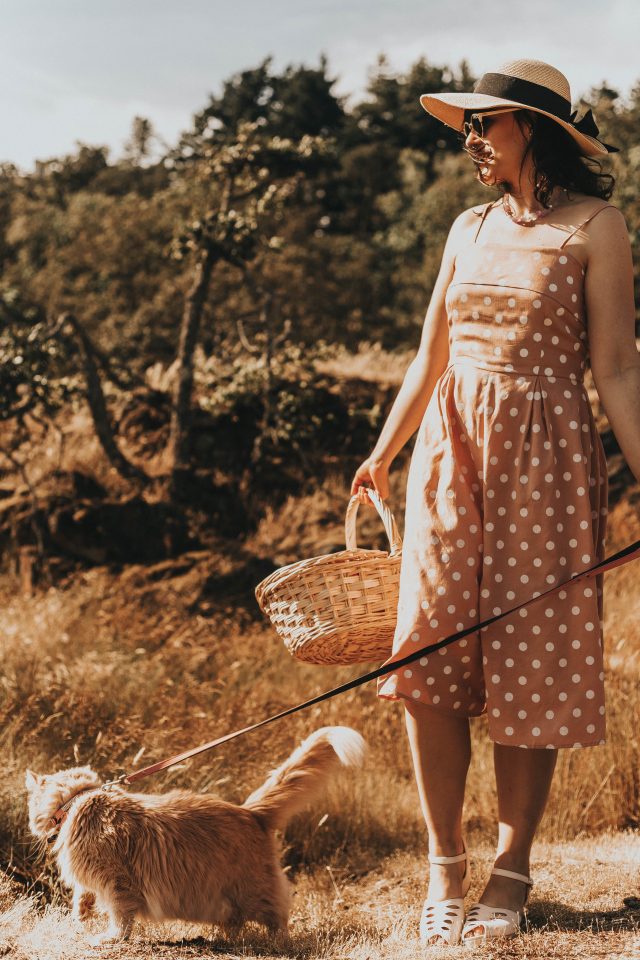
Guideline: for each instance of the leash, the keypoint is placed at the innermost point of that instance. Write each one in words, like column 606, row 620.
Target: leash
column 628, row 553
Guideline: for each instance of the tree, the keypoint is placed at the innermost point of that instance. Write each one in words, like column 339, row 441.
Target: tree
column 294, row 104
column 138, row 147
column 62, row 177
column 256, row 176
column 392, row 113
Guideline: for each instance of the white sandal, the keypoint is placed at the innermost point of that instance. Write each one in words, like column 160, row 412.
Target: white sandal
column 444, row 918
column 495, row 921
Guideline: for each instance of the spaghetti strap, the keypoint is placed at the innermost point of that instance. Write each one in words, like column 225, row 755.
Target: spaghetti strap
column 584, row 223
column 484, row 213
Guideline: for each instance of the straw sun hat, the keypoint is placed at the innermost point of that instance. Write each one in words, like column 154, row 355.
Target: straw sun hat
column 529, row 84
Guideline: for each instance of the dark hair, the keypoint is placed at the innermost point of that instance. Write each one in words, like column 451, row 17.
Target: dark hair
column 558, row 160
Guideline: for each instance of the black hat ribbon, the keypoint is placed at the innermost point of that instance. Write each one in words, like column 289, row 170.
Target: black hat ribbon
column 588, row 126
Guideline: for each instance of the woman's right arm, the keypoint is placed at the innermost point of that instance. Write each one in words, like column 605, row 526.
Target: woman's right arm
column 421, row 377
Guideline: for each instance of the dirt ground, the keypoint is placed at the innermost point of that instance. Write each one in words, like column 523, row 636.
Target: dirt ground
column 585, row 903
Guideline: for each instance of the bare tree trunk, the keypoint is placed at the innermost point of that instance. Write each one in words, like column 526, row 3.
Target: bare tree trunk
column 178, row 447
column 183, row 387
column 98, row 406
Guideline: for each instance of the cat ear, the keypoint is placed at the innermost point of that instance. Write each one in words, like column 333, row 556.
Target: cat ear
column 32, row 780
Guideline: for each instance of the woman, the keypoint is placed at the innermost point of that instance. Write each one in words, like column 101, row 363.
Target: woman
column 507, row 488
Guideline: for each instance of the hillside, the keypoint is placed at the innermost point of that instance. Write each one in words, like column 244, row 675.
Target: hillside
column 119, row 664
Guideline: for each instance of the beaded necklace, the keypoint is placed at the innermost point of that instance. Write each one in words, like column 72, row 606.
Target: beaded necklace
column 525, row 219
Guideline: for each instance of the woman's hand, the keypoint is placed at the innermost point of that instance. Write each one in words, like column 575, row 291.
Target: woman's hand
column 372, row 472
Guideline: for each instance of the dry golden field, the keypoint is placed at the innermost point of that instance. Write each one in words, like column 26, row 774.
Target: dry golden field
column 119, row 669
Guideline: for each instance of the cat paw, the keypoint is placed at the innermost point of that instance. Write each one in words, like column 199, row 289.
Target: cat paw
column 106, row 938
column 86, row 906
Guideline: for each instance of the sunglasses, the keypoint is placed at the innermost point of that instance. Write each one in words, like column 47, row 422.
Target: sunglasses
column 475, row 122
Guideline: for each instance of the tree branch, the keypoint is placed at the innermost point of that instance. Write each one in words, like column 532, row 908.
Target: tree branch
column 98, row 406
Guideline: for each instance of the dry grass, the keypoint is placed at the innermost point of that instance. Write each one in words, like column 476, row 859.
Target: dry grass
column 372, row 362
column 370, row 912
column 119, row 670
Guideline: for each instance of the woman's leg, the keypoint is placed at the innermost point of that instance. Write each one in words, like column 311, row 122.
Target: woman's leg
column 523, row 780
column 441, row 750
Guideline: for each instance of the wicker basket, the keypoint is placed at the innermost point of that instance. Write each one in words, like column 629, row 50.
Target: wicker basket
column 340, row 607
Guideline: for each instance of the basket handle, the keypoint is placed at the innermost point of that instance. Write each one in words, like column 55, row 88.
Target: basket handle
column 395, row 540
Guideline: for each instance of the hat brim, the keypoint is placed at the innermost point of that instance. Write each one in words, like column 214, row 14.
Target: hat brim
column 450, row 108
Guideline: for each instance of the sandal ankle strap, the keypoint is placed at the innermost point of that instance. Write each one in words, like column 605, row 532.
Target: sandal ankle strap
column 514, row 876
column 456, row 859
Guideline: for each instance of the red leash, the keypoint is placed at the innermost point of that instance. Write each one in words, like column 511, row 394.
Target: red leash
column 631, row 552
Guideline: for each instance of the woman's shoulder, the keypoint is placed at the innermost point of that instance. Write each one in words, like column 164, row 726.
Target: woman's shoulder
column 582, row 206
column 467, row 218
column 593, row 227
column 479, row 208
column 468, row 221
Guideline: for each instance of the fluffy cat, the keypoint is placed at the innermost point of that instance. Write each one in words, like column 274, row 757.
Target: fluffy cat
column 182, row 855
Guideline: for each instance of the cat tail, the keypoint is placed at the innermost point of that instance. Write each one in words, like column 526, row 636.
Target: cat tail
column 304, row 774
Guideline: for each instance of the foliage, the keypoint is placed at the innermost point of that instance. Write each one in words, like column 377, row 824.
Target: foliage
column 32, row 357
column 334, row 216
column 258, row 175
column 359, row 234
column 276, row 417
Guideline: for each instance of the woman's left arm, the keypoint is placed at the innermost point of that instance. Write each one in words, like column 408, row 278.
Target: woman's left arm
column 610, row 308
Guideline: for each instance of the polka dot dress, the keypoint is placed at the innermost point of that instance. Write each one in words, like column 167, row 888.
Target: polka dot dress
column 507, row 496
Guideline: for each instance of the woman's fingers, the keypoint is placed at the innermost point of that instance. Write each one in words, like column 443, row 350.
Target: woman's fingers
column 380, row 476
column 373, row 474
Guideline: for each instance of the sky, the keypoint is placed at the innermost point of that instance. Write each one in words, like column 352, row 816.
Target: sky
column 81, row 70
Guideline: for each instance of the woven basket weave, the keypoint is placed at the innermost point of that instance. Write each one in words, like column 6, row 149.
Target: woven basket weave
column 340, row 607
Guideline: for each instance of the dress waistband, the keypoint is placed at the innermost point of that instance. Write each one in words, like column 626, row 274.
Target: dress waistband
column 508, row 370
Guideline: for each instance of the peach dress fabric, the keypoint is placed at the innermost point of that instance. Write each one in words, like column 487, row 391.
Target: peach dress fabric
column 507, row 496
